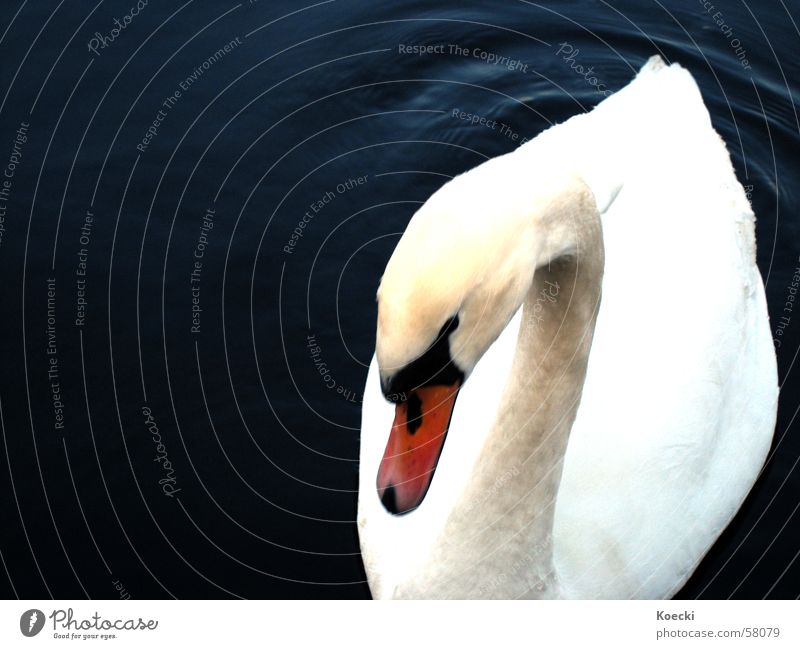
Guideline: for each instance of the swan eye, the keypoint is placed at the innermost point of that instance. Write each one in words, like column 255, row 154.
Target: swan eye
column 434, row 367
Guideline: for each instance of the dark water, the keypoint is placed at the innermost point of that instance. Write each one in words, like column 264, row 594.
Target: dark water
column 252, row 492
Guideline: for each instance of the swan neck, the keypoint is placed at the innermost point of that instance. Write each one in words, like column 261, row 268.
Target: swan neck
column 528, row 440
column 497, row 539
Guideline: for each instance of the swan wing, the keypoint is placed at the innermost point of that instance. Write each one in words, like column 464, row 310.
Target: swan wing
column 679, row 404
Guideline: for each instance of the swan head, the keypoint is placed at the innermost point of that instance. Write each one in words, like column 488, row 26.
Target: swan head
column 452, row 285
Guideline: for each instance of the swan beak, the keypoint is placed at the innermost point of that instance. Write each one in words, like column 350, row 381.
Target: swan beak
column 415, row 443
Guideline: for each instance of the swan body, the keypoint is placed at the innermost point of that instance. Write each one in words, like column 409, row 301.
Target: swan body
column 577, row 466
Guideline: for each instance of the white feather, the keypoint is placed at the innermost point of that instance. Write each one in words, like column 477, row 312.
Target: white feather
column 679, row 402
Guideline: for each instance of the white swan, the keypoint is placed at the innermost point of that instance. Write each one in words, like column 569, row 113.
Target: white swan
column 660, row 437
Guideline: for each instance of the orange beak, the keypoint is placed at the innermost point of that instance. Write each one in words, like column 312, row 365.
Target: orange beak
column 415, row 444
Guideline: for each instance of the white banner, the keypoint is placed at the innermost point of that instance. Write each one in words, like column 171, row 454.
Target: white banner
column 406, row 625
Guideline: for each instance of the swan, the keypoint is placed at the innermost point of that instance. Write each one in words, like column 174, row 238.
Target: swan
column 574, row 385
